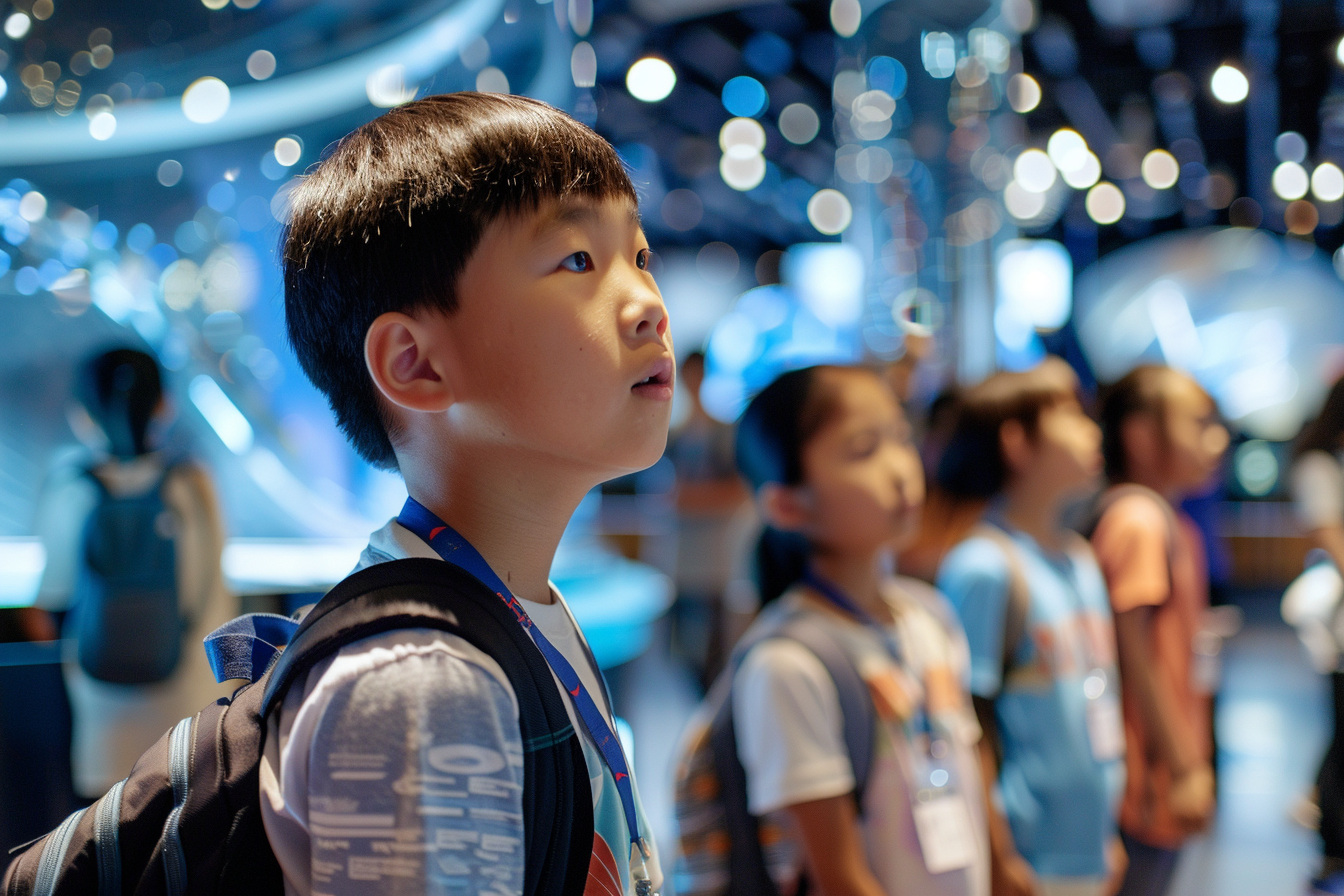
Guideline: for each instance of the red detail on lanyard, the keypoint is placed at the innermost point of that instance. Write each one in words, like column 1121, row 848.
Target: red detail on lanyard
column 434, row 533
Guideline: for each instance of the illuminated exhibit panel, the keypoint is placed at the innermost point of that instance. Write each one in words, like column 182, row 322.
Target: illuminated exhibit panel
column 1258, row 319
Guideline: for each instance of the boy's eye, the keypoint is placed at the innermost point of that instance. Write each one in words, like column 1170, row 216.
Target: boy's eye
column 579, row 263
column 642, row 260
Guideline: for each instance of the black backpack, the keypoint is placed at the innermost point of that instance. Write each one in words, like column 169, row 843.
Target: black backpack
column 126, row 620
column 188, row 819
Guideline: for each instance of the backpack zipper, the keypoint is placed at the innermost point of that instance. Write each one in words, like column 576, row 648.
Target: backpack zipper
column 106, row 832
column 53, row 853
column 179, row 768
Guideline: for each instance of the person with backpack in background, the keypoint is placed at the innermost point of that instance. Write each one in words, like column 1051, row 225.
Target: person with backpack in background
column 1317, row 485
column 133, row 538
column 1162, row 441
column 1033, row 602
column 839, row 751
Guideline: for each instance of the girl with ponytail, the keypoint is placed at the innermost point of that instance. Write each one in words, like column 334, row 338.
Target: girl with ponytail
column 827, row 452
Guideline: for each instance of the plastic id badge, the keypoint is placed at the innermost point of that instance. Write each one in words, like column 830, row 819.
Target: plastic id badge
column 946, row 835
column 1105, row 724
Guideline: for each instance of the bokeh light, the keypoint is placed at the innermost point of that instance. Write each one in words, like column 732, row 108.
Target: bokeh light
column 1085, row 175
column 169, row 172
column 1034, row 171
column 102, row 126
column 1327, row 182
column 288, row 150
column 799, row 123
column 1024, row 94
column 17, row 25
column 745, row 96
column 742, row 167
column 205, row 100
column 1290, row 181
column 742, row 132
column 1105, row 203
column 650, row 79
column 1022, row 204
column 1290, row 146
column 1160, row 169
column 261, row 65
column 846, row 16
column 1229, row 85
column 829, row 211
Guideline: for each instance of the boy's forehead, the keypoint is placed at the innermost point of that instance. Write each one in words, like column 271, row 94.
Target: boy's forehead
column 554, row 214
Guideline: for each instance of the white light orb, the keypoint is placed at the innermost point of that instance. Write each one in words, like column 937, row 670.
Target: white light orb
column 32, row 206
column 1327, row 182
column 1229, row 85
column 799, row 124
column 1034, row 171
column 846, row 16
column 742, row 167
column 1105, row 203
column 288, row 150
column 1022, row 204
column 102, row 126
column 491, row 79
column 261, row 64
column 1024, row 93
column 829, row 211
column 1160, row 169
column 386, row 86
column 742, row 132
column 1290, row 146
column 1339, row 51
column 1084, row 176
column 17, row 25
column 583, row 64
column 1290, row 181
column 1068, row 150
column 205, row 100
column 650, row 79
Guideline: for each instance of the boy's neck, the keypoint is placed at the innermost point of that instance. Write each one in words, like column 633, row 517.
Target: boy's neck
column 1027, row 510
column 512, row 514
column 859, row 578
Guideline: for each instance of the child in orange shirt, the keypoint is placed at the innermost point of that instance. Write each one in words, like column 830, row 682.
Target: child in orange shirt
column 1162, row 441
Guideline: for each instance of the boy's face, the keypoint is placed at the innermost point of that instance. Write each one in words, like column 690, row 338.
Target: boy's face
column 560, row 343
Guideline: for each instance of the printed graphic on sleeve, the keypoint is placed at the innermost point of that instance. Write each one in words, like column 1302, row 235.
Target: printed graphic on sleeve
column 418, row 781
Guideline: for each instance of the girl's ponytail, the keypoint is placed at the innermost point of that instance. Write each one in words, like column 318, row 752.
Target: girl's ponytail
column 775, row 427
column 781, row 561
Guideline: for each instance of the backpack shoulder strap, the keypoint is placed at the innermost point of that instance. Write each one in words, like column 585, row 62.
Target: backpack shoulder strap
column 429, row 593
column 1019, row 594
column 856, row 703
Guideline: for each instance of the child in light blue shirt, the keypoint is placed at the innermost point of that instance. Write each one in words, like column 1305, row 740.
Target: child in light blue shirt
column 1025, row 586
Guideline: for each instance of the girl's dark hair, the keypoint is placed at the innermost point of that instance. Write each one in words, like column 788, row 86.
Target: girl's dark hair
column 121, row 389
column 972, row 465
column 387, row 222
column 1323, row 433
column 771, row 435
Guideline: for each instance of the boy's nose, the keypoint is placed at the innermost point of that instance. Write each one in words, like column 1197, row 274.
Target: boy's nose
column 647, row 316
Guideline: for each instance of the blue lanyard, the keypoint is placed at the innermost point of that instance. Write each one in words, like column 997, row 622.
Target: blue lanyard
column 455, row 549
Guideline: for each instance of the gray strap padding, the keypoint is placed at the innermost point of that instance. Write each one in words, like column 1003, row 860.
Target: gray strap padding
column 106, row 834
column 53, row 854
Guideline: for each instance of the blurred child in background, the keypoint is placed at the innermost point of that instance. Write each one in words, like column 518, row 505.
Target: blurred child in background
column 1034, row 606
column 133, row 538
column 1162, row 441
column 827, row 451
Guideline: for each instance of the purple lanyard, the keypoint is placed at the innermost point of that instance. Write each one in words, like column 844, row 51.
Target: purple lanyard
column 455, row 549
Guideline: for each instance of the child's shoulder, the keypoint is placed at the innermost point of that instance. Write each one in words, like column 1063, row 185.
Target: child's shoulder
column 978, row 557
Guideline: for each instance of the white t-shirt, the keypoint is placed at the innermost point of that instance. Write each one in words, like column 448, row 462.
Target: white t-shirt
column 790, row 735
column 396, row 765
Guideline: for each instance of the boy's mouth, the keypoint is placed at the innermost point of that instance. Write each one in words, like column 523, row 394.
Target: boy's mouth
column 657, row 384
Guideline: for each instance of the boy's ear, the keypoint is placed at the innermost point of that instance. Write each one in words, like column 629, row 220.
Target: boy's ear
column 1141, row 441
column 401, row 354
column 784, row 507
column 1015, row 445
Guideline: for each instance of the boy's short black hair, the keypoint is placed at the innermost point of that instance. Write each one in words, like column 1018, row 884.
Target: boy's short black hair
column 388, row 220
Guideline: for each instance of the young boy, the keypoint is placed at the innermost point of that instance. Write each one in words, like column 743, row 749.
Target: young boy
column 467, row 282
column 1162, row 442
